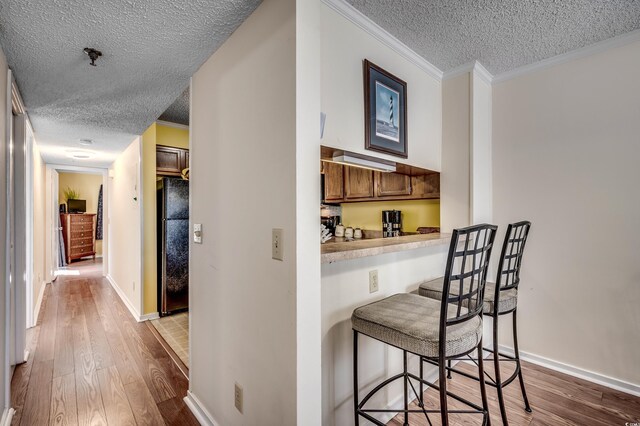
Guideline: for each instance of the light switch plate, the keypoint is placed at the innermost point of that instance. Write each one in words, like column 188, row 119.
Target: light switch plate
column 197, row 233
column 276, row 244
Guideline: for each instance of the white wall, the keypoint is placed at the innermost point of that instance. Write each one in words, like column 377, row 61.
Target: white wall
column 123, row 210
column 308, row 308
column 243, row 184
column 481, row 174
column 345, row 286
column 455, row 178
column 344, row 47
column 4, row 146
column 39, row 274
column 566, row 144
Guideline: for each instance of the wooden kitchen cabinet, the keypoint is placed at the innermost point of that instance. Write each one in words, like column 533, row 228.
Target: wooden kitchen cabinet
column 425, row 186
column 392, row 184
column 358, row 183
column 333, row 181
column 345, row 183
column 171, row 161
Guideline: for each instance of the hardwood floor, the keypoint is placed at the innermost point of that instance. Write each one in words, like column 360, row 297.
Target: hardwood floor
column 91, row 363
column 556, row 399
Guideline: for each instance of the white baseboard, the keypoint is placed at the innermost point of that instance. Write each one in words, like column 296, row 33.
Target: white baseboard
column 201, row 414
column 7, row 416
column 580, row 373
column 129, row 305
column 36, row 310
column 124, row 298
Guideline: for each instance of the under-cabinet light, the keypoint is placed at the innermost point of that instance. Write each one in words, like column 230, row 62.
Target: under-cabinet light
column 364, row 163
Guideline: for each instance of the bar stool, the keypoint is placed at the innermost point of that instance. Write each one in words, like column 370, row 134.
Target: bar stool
column 502, row 294
column 434, row 330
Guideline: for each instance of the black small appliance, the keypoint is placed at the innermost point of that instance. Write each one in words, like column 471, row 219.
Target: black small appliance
column 391, row 223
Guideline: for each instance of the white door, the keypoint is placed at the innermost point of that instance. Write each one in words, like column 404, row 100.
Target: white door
column 19, row 237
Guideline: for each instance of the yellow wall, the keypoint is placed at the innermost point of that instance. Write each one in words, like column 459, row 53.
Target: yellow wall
column 415, row 213
column 88, row 185
column 155, row 135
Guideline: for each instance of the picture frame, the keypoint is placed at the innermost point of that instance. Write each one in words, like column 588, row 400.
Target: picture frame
column 385, row 111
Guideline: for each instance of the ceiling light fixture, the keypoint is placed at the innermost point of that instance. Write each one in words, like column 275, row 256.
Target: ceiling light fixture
column 365, row 163
column 81, row 154
column 93, row 54
column 86, row 142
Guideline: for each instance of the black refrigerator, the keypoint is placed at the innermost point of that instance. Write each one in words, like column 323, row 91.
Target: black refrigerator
column 173, row 245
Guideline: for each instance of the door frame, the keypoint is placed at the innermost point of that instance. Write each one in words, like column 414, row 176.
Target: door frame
column 53, row 210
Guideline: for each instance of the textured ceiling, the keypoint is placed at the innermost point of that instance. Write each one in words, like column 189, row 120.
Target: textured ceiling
column 151, row 48
column 178, row 112
column 501, row 34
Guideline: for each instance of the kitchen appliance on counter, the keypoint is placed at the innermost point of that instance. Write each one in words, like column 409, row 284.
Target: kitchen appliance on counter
column 173, row 245
column 391, row 223
column 330, row 222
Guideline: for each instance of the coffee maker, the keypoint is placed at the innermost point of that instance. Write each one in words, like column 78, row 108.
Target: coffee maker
column 330, row 222
column 391, row 223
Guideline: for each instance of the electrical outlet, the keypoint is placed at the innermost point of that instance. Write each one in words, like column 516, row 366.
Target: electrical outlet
column 238, row 397
column 276, row 244
column 373, row 281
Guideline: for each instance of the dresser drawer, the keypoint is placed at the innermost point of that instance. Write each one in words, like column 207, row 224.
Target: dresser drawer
column 82, row 226
column 81, row 234
column 86, row 248
column 81, row 242
column 80, row 218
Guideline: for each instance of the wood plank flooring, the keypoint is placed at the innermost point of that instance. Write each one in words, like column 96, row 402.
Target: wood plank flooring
column 556, row 399
column 91, row 363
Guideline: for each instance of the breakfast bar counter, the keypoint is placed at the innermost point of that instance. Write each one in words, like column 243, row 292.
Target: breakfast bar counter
column 355, row 249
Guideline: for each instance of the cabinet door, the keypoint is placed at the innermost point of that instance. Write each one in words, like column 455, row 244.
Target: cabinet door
column 333, row 181
column 168, row 161
column 392, row 184
column 185, row 159
column 358, row 183
column 426, row 186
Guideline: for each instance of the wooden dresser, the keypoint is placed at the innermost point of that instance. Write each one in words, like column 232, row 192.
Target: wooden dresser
column 79, row 231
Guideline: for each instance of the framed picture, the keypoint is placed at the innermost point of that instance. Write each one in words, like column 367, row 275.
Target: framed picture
column 385, row 111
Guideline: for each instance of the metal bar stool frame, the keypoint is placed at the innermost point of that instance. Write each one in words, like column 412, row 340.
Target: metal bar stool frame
column 508, row 278
column 473, row 299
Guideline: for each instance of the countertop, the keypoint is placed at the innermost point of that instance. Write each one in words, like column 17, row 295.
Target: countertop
column 338, row 251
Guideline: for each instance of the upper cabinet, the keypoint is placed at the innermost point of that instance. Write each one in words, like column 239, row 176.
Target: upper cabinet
column 358, row 183
column 392, row 184
column 345, row 184
column 333, row 182
column 171, row 161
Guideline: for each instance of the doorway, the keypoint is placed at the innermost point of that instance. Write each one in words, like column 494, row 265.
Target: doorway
column 77, row 206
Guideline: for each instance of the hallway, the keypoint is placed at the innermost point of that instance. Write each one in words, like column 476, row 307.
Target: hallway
column 91, row 363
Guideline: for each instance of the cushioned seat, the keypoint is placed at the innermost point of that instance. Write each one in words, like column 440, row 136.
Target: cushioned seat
column 412, row 322
column 508, row 298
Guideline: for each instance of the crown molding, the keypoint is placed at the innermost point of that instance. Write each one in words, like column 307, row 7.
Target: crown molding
column 470, row 67
column 582, row 52
column 17, row 103
column 363, row 22
column 170, row 124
